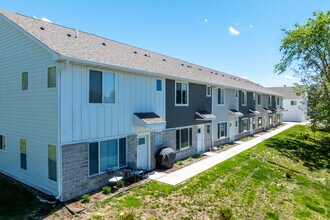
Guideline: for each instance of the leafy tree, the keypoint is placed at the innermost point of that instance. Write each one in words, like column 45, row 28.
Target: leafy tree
column 306, row 50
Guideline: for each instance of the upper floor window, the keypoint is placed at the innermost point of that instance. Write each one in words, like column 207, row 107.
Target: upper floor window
column 277, row 100
column 254, row 96
column 183, row 138
column 208, row 91
column 244, row 98
column 101, row 87
column 181, row 93
column 159, row 85
column 51, row 71
column 236, row 94
column 221, row 96
column 293, row 102
column 25, row 81
column 259, row 99
column 2, row 142
column 270, row 100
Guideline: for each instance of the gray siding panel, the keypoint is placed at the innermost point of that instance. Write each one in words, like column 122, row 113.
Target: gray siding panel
column 179, row 116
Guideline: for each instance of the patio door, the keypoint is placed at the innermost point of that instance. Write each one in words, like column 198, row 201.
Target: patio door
column 142, row 154
column 200, row 138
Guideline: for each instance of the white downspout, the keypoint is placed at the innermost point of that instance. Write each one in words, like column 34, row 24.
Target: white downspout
column 59, row 148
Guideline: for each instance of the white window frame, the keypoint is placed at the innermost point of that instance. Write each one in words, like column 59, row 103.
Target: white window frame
column 189, row 144
column 161, row 80
column 159, row 138
column 99, row 154
column 3, row 142
column 116, row 87
column 187, row 94
column 208, row 91
column 223, row 91
column 219, row 132
column 247, row 122
column 244, row 94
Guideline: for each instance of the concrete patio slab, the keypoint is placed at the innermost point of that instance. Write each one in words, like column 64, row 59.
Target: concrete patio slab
column 186, row 173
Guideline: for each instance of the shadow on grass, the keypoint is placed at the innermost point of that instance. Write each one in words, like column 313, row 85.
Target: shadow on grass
column 314, row 154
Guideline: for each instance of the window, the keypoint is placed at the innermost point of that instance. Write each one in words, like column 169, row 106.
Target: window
column 254, row 96
column 244, row 125
column 236, row 94
column 52, row 163
column 221, row 96
column 2, row 142
column 51, row 77
column 181, row 93
column 270, row 100
column 159, row 138
column 259, row 122
column 254, row 123
column 236, row 123
column 23, row 153
column 244, row 98
column 183, row 138
column 159, row 85
column 222, row 130
column 278, row 118
column 208, row 129
column 277, row 100
column 270, row 120
column 112, row 155
column 25, row 81
column 293, row 102
column 208, row 91
column 259, row 99
column 101, row 87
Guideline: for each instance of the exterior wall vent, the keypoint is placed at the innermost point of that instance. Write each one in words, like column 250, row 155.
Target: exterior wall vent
column 135, row 52
column 104, row 44
column 42, row 28
column 69, row 35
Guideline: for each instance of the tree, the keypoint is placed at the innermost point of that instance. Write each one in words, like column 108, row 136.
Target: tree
column 306, row 50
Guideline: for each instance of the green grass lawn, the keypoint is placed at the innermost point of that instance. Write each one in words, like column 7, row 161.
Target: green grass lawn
column 285, row 177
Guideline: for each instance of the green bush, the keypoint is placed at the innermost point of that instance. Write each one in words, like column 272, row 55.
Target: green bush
column 190, row 159
column 120, row 183
column 85, row 198
column 180, row 162
column 106, row 190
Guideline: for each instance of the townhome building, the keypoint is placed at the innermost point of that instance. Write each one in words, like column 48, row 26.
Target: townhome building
column 73, row 105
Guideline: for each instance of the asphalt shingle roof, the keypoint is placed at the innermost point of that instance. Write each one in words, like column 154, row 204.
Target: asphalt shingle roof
column 65, row 42
column 287, row 92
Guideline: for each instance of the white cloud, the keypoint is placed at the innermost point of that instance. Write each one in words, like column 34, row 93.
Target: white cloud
column 46, row 19
column 206, row 20
column 288, row 77
column 251, row 26
column 233, row 31
column 244, row 77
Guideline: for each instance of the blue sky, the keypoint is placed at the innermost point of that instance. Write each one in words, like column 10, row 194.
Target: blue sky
column 240, row 37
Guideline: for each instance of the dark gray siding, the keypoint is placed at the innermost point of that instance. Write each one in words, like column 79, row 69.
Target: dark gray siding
column 245, row 109
column 179, row 116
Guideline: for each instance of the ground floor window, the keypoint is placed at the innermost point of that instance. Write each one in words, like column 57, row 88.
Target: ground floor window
column 107, row 154
column 159, row 138
column 259, row 122
column 245, row 123
column 22, row 144
column 254, row 123
column 278, row 118
column 2, row 142
column 183, row 138
column 270, row 119
column 52, row 163
column 208, row 129
column 222, row 130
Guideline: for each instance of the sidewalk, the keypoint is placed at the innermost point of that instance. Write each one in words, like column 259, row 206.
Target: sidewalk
column 186, row 173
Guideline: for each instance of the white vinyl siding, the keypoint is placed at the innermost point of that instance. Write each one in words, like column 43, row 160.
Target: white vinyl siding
column 81, row 121
column 32, row 114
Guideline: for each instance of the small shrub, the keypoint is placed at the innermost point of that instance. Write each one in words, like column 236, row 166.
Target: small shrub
column 85, row 198
column 288, row 174
column 180, row 162
column 127, row 216
column 225, row 214
column 106, row 190
column 120, row 183
column 190, row 159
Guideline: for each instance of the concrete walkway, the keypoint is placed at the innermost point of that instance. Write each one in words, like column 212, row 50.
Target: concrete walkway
column 187, row 172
